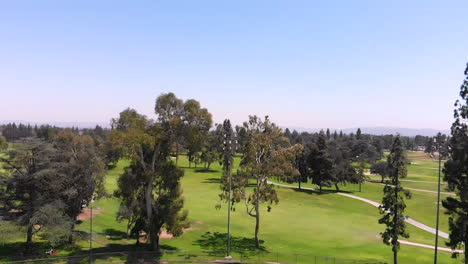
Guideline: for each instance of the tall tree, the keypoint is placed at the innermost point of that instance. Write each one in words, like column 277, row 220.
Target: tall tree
column 170, row 110
column 321, row 163
column 35, row 185
column 264, row 156
column 456, row 173
column 197, row 123
column 84, row 169
column 393, row 203
column 358, row 134
column 150, row 191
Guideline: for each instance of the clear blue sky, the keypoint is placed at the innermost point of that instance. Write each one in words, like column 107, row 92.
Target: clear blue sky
column 308, row 64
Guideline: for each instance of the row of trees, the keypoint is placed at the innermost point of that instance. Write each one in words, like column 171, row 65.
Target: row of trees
column 13, row 131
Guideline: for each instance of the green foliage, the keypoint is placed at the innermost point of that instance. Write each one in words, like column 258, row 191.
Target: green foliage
column 3, row 143
column 264, row 156
column 55, row 225
column 149, row 189
column 393, row 202
column 321, row 164
column 379, row 168
column 35, row 183
column 456, row 173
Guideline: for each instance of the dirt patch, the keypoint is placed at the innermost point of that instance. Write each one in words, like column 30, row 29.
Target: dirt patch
column 86, row 214
column 165, row 235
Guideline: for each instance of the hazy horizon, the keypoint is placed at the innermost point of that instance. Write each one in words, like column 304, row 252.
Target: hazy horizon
column 311, row 65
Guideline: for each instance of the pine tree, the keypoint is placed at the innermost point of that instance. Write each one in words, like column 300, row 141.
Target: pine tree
column 456, row 173
column 321, row 164
column 393, row 203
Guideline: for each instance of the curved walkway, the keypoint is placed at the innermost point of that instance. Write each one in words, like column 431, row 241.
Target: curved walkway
column 418, row 190
column 376, row 204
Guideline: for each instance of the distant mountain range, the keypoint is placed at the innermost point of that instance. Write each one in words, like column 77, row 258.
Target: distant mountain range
column 410, row 132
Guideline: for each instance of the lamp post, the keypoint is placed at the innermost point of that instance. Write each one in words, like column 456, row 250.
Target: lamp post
column 438, row 142
column 229, row 151
column 91, row 230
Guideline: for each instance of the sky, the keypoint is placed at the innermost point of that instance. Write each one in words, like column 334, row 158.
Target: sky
column 309, row 64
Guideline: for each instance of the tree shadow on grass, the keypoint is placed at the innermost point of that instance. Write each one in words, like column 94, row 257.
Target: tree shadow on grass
column 216, row 242
column 21, row 250
column 317, row 192
column 121, row 253
column 205, row 170
column 115, row 234
column 212, row 180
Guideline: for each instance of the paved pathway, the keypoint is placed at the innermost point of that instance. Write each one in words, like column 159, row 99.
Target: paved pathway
column 419, row 190
column 433, row 182
column 376, row 204
column 429, row 246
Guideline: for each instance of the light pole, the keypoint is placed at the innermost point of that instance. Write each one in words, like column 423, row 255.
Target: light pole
column 227, row 163
column 438, row 141
column 91, row 231
column 229, row 151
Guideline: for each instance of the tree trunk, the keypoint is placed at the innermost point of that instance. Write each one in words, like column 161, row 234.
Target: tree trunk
column 337, row 188
column 154, row 240
column 299, row 184
column 395, row 257
column 149, row 200
column 320, row 188
column 72, row 229
column 257, row 226
column 149, row 212
column 29, row 234
column 177, row 154
column 382, row 178
column 257, row 215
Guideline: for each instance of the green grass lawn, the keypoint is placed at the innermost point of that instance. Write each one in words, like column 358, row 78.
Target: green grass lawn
column 302, row 222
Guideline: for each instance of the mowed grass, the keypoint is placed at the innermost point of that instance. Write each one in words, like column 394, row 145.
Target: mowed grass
column 327, row 225
column 302, row 222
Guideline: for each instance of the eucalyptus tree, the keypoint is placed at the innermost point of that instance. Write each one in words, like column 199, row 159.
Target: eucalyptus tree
column 265, row 154
column 170, row 111
column 197, row 123
column 149, row 189
column 393, row 202
column 456, row 173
